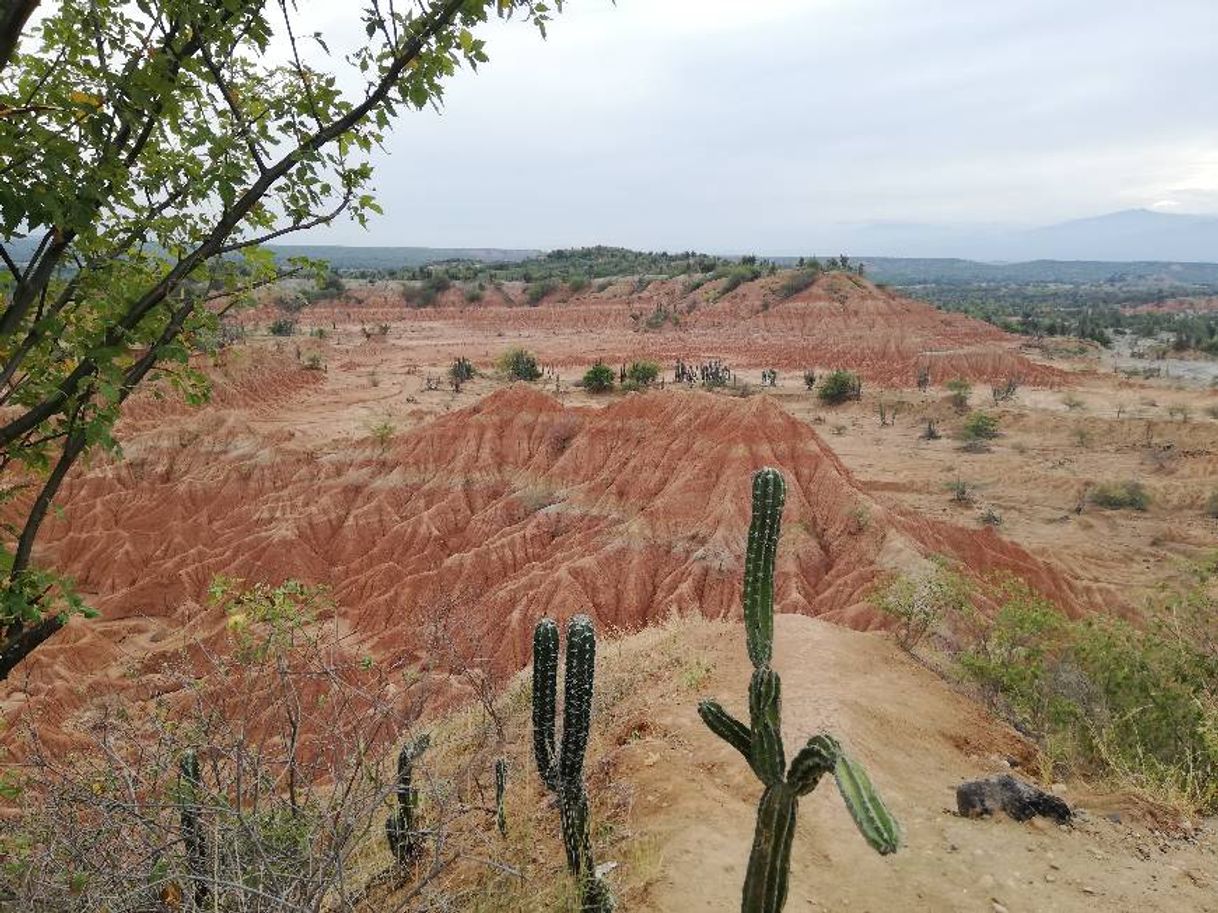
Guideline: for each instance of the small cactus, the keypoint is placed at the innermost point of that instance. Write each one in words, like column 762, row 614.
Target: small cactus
column 562, row 768
column 400, row 827
column 500, row 794
column 193, row 837
column 765, row 883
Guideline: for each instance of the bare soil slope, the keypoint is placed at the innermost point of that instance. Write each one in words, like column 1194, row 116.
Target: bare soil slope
column 841, row 321
column 497, row 514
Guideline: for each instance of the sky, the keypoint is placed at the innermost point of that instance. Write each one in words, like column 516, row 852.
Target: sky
column 779, row 125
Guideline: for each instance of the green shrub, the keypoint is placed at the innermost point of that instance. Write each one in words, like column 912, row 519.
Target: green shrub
column 643, row 373
column 918, row 604
column 1106, row 696
column 519, row 364
column 599, row 378
column 283, row 327
column 631, row 386
column 577, row 283
column 839, row 386
column 1211, row 505
column 1118, row 495
column 461, row 370
column 535, row 291
column 960, row 390
column 980, row 426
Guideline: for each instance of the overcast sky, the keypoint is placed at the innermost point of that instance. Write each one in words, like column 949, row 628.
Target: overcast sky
column 770, row 124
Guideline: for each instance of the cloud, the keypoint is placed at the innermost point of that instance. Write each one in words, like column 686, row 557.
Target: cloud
column 727, row 126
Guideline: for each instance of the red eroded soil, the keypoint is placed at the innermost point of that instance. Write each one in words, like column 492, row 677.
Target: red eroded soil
column 506, row 510
column 841, row 321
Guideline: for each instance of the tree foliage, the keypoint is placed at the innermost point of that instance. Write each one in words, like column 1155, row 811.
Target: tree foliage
column 149, row 148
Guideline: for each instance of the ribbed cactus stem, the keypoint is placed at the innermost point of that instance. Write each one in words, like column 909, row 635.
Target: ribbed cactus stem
column 193, row 837
column 766, row 753
column 562, row 770
column 400, row 829
column 769, row 496
column 765, row 884
column 501, row 795
column 545, row 690
column 726, row 726
column 870, row 815
column 577, row 698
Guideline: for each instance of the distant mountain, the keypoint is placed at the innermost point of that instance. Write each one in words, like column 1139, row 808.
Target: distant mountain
column 1127, row 236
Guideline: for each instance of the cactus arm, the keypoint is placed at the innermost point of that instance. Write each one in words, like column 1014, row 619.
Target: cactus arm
column 545, row 690
column 870, row 815
column 765, row 883
column 726, row 726
column 577, row 698
column 817, row 758
column 400, row 827
column 500, row 795
column 769, row 495
column 766, row 753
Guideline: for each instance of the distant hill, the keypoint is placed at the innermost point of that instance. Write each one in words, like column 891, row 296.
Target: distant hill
column 341, row 257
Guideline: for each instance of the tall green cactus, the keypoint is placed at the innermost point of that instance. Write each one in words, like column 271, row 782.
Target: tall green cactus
column 193, row 837
column 562, row 768
column 400, row 828
column 765, row 883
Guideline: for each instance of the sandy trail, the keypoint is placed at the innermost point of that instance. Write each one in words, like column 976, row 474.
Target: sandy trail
column 918, row 739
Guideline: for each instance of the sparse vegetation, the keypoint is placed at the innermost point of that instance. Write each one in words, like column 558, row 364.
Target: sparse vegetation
column 519, row 364
column 599, row 378
column 643, row 373
column 979, row 426
column 282, row 326
column 1127, row 495
column 918, row 603
column 960, row 390
column 839, row 386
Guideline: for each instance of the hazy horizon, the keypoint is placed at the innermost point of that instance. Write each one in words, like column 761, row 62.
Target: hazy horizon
column 686, row 124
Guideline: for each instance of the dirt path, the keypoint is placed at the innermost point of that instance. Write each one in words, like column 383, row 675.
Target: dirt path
column 919, row 739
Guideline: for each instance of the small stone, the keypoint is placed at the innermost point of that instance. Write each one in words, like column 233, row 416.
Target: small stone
column 996, row 907
column 1050, row 877
column 1087, row 889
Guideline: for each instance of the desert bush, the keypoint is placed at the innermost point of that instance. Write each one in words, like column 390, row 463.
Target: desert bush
column 643, row 373
column 960, row 390
column 990, row 517
column 474, row 294
column 598, row 378
column 1180, row 411
column 1211, row 505
column 208, row 800
column 313, row 362
column 519, row 364
column 980, row 426
column 1212, row 411
column 283, row 326
column 461, row 370
column 1129, row 494
column 1004, row 392
column 931, row 431
column 1106, row 696
column 1072, row 402
column 917, row 604
column 839, row 386
column 424, row 294
column 809, row 380
column 578, row 283
column 962, row 492
column 536, row 291
column 923, row 377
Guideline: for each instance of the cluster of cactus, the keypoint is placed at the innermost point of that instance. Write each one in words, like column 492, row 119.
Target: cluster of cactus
column 193, row 837
column 765, row 885
column 561, row 766
column 400, row 828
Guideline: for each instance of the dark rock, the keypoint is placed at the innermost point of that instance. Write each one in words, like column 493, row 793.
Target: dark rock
column 1019, row 800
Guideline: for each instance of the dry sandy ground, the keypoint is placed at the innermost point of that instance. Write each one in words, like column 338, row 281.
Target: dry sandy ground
column 673, row 806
